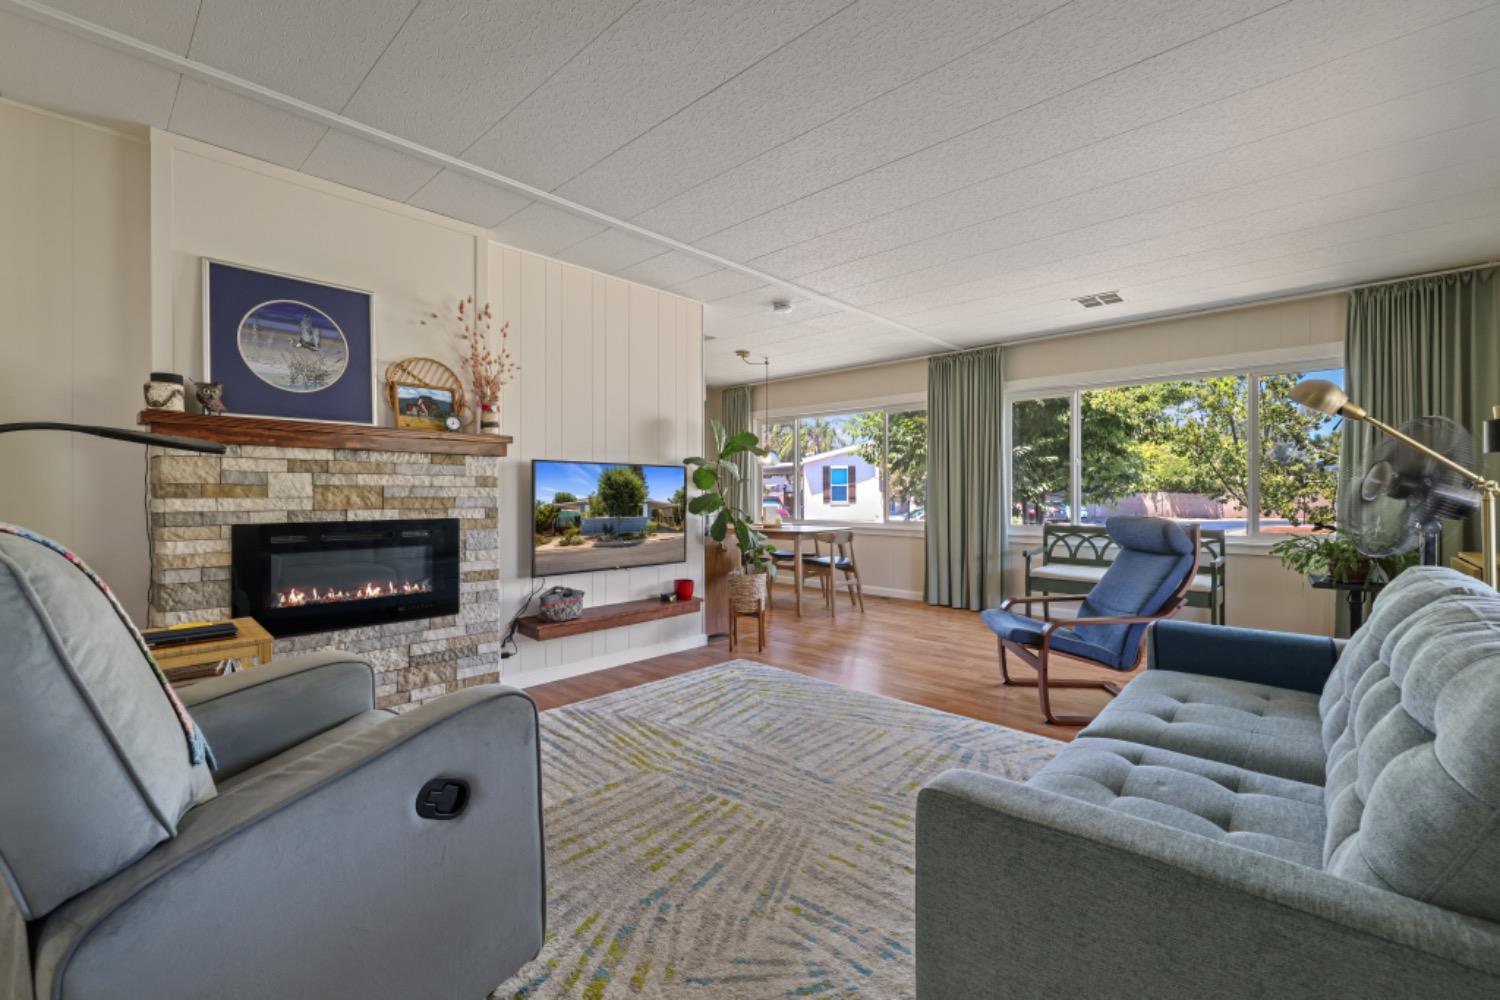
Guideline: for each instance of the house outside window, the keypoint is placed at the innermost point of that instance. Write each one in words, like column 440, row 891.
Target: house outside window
column 865, row 467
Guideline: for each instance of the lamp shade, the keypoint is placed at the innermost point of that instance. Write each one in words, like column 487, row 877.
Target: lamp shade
column 1320, row 394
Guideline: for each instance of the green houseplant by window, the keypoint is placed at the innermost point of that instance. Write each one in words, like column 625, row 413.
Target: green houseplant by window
column 716, row 477
column 1331, row 555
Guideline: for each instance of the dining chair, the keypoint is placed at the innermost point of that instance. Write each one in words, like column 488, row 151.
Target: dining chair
column 840, row 559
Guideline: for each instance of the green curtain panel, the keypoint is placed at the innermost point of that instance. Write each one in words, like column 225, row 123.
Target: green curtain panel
column 1419, row 347
column 739, row 415
column 965, row 522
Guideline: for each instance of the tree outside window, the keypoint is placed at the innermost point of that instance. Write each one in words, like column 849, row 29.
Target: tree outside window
column 1180, row 449
column 1040, row 442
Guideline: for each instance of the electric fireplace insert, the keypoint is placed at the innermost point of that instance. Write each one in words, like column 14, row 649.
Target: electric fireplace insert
column 320, row 576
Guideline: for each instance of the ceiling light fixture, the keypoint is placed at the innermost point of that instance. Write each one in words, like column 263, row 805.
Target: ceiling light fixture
column 764, row 362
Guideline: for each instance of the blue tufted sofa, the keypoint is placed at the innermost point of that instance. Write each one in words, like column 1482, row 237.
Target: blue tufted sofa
column 1257, row 815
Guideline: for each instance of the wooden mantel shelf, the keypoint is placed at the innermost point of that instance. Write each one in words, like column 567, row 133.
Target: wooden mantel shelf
column 317, row 434
column 603, row 616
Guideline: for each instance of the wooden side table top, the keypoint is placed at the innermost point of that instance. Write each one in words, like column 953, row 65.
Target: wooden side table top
column 253, row 643
column 1471, row 563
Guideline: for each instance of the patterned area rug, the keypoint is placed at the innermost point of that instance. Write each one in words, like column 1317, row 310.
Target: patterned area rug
column 741, row 832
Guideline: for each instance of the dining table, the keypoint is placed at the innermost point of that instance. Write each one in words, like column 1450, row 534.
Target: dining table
column 796, row 534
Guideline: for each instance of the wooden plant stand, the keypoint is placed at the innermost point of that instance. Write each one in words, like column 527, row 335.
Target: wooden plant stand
column 761, row 614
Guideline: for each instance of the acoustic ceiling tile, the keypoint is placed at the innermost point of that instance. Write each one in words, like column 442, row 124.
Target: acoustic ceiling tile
column 718, row 285
column 370, row 167
column 865, row 50
column 668, row 269
column 460, row 196
column 316, row 52
column 51, row 68
column 458, row 66
column 246, row 126
column 167, row 24
column 541, row 228
column 657, row 58
column 611, row 251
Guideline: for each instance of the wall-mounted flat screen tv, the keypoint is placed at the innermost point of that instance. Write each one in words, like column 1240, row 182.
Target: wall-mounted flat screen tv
column 606, row 515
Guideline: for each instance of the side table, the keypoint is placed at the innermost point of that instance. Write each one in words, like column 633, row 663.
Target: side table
column 1355, row 592
column 185, row 661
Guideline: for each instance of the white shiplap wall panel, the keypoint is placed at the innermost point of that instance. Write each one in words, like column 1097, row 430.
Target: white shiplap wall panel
column 610, row 371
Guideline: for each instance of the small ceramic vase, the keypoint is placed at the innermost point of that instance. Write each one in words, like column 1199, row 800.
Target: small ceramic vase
column 164, row 392
column 489, row 418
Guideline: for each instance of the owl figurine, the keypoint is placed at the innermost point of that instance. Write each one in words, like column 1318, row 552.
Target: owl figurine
column 211, row 396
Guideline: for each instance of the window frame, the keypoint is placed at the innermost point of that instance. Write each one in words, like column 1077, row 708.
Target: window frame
column 1073, row 390
column 885, row 407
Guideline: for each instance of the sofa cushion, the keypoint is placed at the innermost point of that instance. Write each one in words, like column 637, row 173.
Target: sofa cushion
column 1411, row 717
column 1155, row 557
column 1267, row 730
column 1260, row 812
column 113, row 761
column 1028, row 632
column 1075, row 573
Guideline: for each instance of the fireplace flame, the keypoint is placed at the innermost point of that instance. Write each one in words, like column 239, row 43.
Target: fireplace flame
column 296, row 597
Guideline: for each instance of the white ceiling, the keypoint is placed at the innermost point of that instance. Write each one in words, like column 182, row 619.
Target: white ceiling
column 913, row 176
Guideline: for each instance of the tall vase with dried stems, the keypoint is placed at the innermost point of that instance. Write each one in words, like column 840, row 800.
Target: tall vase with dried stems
column 490, row 366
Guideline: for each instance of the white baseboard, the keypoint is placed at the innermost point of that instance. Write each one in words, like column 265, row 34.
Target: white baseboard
column 904, row 595
column 811, row 587
column 546, row 675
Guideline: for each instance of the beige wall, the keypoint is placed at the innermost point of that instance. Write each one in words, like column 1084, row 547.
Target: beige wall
column 1260, row 593
column 609, row 370
column 100, row 262
column 1227, row 337
column 891, row 560
column 74, row 283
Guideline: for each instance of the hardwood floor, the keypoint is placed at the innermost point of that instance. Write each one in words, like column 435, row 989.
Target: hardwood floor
column 938, row 657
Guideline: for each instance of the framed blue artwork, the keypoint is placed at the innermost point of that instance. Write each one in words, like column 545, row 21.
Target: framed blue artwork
column 287, row 347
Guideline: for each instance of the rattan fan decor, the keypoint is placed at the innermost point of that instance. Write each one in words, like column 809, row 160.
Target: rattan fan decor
column 432, row 374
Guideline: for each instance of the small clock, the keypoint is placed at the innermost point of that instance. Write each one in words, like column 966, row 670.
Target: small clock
column 453, row 423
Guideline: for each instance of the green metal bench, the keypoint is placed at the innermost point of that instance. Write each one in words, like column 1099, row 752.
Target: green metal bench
column 1074, row 556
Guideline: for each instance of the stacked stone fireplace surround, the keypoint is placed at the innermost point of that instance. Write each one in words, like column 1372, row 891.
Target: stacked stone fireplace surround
column 196, row 500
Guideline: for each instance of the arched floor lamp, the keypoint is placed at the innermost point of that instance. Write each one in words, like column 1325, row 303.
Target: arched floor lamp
column 1326, row 397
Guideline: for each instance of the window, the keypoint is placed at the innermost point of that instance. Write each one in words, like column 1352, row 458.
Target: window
column 779, row 471
column 1299, row 456
column 868, row 466
column 906, row 465
column 1167, row 449
column 838, row 485
column 1229, row 451
column 1041, row 435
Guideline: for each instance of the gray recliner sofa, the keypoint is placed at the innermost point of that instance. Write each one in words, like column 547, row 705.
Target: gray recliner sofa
column 338, row 851
column 1257, row 815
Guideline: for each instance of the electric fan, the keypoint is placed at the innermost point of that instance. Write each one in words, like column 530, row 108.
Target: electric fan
column 1403, row 494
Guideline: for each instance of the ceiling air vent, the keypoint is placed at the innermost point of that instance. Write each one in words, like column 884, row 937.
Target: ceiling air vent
column 1099, row 299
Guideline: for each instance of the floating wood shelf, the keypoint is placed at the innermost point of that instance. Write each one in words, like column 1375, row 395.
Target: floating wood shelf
column 317, row 434
column 603, row 616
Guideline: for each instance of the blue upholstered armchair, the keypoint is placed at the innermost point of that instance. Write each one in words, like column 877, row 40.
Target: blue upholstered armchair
column 1147, row 581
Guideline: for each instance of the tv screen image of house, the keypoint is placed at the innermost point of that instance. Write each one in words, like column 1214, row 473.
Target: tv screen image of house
column 606, row 515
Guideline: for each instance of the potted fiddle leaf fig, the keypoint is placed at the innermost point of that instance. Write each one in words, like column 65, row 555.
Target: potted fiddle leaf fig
column 717, row 476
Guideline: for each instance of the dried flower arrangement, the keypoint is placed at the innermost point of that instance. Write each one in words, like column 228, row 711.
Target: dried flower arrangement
column 488, row 368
